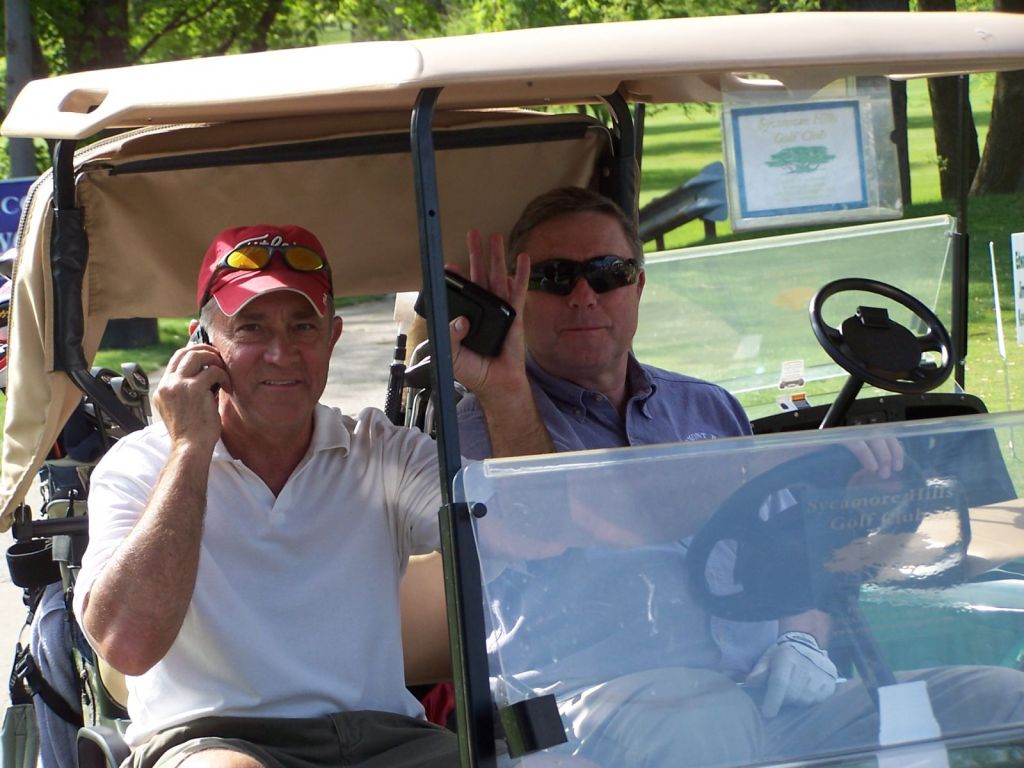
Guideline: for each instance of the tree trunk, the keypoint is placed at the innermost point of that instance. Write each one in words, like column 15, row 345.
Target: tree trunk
column 130, row 333
column 1002, row 164
column 943, row 93
column 97, row 35
column 944, row 98
column 263, row 25
column 18, row 18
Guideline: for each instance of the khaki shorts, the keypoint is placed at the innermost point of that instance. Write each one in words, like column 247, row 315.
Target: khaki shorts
column 366, row 739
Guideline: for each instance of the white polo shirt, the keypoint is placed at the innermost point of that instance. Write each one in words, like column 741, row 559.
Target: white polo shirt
column 295, row 611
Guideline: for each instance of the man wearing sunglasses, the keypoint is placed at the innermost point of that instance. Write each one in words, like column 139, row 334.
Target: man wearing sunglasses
column 578, row 321
column 245, row 555
column 580, row 314
column 586, row 278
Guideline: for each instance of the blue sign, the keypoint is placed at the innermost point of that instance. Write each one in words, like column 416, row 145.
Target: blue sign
column 12, row 200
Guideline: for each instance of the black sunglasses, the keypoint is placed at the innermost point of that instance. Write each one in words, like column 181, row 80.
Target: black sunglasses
column 603, row 273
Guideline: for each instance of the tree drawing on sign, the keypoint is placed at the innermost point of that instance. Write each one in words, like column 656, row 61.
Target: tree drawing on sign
column 800, row 159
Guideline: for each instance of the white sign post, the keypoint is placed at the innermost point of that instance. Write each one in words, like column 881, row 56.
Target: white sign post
column 1017, row 249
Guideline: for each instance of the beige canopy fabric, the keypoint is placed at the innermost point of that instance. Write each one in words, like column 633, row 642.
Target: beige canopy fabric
column 666, row 60
column 148, row 231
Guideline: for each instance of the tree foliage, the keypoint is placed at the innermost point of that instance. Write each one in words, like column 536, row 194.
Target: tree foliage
column 74, row 35
column 383, row 19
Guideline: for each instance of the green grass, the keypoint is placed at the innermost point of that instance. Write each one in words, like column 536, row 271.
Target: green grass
column 173, row 335
column 333, row 33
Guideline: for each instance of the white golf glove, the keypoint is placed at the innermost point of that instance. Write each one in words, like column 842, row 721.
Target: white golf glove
column 796, row 670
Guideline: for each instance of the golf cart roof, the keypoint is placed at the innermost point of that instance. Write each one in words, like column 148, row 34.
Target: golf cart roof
column 671, row 60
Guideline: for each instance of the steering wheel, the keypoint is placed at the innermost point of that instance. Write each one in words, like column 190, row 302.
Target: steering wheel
column 817, row 551
column 874, row 349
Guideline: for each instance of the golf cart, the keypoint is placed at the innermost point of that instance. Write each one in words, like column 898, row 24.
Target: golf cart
column 391, row 151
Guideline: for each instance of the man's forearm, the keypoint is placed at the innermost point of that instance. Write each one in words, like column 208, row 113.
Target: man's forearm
column 139, row 601
column 515, row 426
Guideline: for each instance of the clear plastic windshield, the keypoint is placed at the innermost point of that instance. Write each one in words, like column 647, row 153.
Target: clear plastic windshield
column 648, row 592
column 737, row 313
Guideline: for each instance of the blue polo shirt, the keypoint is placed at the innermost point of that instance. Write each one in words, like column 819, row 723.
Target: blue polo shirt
column 663, row 407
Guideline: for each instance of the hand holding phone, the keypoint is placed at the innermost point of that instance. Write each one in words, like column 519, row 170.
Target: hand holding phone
column 200, row 336
column 490, row 317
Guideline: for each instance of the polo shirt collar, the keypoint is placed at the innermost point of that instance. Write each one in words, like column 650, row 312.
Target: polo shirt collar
column 554, row 387
column 329, row 432
column 641, row 386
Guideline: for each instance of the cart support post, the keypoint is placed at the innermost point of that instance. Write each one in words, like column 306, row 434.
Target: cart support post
column 961, row 253
column 69, row 255
column 620, row 180
column 463, row 592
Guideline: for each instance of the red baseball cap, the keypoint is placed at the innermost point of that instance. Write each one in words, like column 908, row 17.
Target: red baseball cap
column 234, row 288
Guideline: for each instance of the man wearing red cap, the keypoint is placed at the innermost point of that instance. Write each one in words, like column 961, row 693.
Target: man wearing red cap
column 246, row 554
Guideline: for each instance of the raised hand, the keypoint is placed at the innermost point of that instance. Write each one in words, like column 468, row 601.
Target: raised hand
column 500, row 382
column 490, row 377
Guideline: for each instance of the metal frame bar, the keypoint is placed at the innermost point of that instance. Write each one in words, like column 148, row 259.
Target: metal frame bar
column 620, row 181
column 463, row 588
column 69, row 256
column 961, row 254
column 639, row 123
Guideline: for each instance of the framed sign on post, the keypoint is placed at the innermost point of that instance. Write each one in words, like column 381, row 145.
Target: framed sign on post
column 795, row 162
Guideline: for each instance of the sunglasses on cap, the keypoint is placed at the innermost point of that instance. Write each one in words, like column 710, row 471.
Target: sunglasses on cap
column 603, row 273
column 253, row 258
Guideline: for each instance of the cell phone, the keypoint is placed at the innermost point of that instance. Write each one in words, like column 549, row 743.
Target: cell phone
column 489, row 316
column 199, row 336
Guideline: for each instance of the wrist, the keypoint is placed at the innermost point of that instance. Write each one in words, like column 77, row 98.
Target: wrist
column 192, row 448
column 510, row 396
column 800, row 638
column 516, row 428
